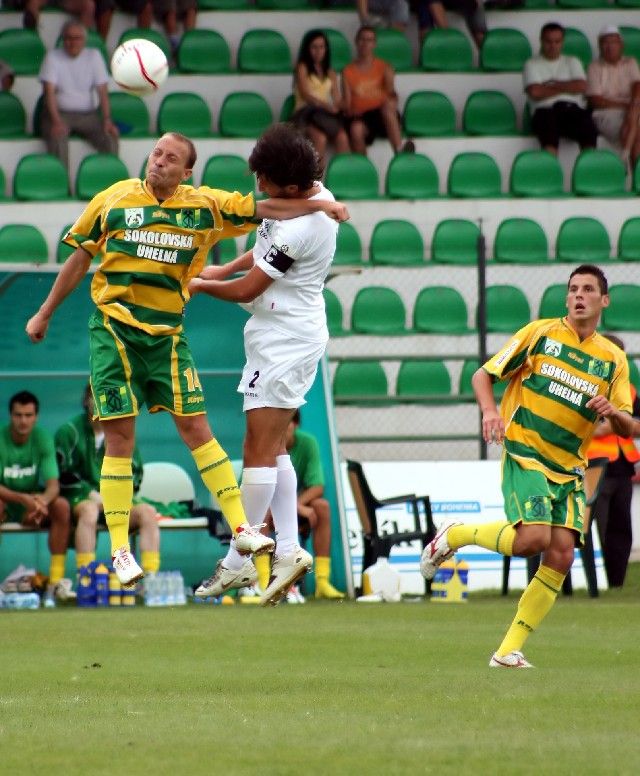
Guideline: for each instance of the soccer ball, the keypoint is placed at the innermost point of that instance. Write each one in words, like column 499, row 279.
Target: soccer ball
column 139, row 66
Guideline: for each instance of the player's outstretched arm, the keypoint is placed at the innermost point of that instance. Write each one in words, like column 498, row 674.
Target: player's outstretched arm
column 69, row 277
column 242, row 263
column 282, row 209
column 492, row 423
column 242, row 290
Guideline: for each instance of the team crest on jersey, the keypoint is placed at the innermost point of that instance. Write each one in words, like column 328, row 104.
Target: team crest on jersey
column 188, row 217
column 552, row 347
column 598, row 368
column 134, row 216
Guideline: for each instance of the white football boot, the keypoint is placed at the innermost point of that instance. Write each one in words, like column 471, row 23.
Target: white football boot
column 510, row 660
column 286, row 570
column 249, row 540
column 126, row 567
column 436, row 552
column 223, row 579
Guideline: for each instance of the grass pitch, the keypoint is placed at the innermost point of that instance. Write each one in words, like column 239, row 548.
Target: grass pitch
column 325, row 688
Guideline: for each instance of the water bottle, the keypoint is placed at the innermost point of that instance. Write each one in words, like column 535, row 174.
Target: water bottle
column 86, row 588
column 163, row 589
column 151, row 590
column 178, row 597
column 101, row 584
column 115, row 590
column 22, row 601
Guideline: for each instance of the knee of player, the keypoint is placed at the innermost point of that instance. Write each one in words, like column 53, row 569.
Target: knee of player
column 60, row 511
column 86, row 513
column 531, row 540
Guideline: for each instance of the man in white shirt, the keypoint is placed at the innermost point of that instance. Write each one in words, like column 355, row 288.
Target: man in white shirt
column 555, row 85
column 76, row 98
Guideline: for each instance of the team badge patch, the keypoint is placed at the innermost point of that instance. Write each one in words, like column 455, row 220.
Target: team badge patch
column 552, row 347
column 134, row 216
column 188, row 217
column 114, row 400
column 599, row 368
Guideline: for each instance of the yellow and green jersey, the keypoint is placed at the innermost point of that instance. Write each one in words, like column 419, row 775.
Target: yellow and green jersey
column 552, row 375
column 149, row 251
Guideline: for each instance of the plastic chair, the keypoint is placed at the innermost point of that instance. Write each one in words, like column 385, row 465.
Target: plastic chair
column 339, row 48
column 554, row 301
column 130, row 114
column 286, row 111
column 40, row 177
column 230, row 173
column 583, row 4
column 153, row 35
column 22, row 243
column 334, row 312
column 629, row 240
column 352, row 176
column 489, row 113
column 184, row 112
column 63, row 251
column 348, row 245
column 244, row 114
column 631, row 38
column 359, row 380
column 446, row 50
column 165, row 482
column 23, row 50
column 423, row 380
column 14, row 119
column 634, row 373
column 429, row 114
column 504, row 50
column 378, row 310
column 583, row 240
column 598, row 173
column 576, row 44
column 264, row 51
column 440, row 310
column 411, row 176
column 623, row 313
column 474, row 174
column 393, row 47
column 536, row 174
column 465, row 389
column 203, row 51
column 3, row 186
column 507, row 309
column 97, row 172
column 455, row 241
column 521, row 241
column 396, row 243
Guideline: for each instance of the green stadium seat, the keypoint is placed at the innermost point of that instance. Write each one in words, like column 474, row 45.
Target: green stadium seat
column 203, row 51
column 352, row 176
column 348, row 246
column 378, row 310
column 583, row 4
column 286, row 111
column 184, row 112
column 423, row 380
column 507, row 309
column 440, row 310
column 153, row 35
column 244, row 114
column 474, row 174
column 339, row 48
column 63, row 251
column 536, row 174
column 94, row 40
column 623, row 313
column 521, row 241
column 429, row 114
column 359, row 380
column 40, row 177
column 411, row 176
column 396, row 243
column 455, row 241
column 629, row 240
column 130, row 114
column 465, row 389
column 554, row 301
column 14, row 119
column 230, row 173
column 489, row 113
column 97, row 172
column 22, row 243
column 334, row 313
column 583, row 240
column 628, row 3
column 634, row 374
column 264, row 51
column 631, row 38
column 3, row 186
column 576, row 44
column 393, row 46
column 23, row 50
column 598, row 173
column 504, row 50
column 446, row 50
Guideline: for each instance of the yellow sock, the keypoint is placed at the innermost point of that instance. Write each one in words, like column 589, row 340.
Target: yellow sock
column 56, row 568
column 150, row 561
column 324, row 588
column 322, row 568
column 84, row 558
column 116, row 489
column 263, row 567
column 534, row 605
column 217, row 474
column 498, row 536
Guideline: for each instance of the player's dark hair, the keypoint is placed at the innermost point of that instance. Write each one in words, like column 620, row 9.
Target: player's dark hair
column 365, row 28
column 24, row 397
column 285, row 157
column 304, row 54
column 192, row 156
column 551, row 27
column 591, row 269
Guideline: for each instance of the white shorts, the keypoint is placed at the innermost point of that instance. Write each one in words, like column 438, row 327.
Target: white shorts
column 280, row 370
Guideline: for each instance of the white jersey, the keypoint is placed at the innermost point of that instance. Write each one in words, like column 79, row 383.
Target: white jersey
column 297, row 254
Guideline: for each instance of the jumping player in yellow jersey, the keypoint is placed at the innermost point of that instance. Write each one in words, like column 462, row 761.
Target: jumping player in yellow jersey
column 563, row 376
column 152, row 237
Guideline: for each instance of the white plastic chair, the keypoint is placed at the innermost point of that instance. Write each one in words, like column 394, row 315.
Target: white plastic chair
column 165, row 481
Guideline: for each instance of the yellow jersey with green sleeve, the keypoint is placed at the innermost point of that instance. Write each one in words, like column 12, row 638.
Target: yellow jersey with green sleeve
column 150, row 250
column 552, row 375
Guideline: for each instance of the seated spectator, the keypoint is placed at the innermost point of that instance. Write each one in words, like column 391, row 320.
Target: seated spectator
column 393, row 13
column 170, row 12
column 142, row 9
column 433, row 13
column 7, row 76
column 613, row 89
column 555, row 85
column 83, row 10
column 80, row 450
column 317, row 107
column 29, row 487
column 73, row 79
column 370, row 99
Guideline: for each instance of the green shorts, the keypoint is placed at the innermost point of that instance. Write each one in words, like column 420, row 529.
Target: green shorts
column 531, row 498
column 130, row 368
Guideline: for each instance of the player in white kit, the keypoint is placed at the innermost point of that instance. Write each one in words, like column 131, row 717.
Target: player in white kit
column 284, row 340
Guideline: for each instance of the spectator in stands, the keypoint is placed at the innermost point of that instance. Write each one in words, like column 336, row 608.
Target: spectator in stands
column 374, row 13
column 555, row 85
column 433, row 13
column 142, row 9
column 170, row 12
column 612, row 510
column 7, row 76
column 80, row 452
column 29, row 487
column 73, row 78
column 83, row 10
column 613, row 89
column 318, row 103
column 370, row 99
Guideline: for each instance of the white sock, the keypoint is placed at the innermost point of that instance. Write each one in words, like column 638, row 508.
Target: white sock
column 284, row 507
column 258, row 486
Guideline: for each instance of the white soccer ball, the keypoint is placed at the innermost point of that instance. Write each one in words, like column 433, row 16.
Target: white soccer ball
column 139, row 66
